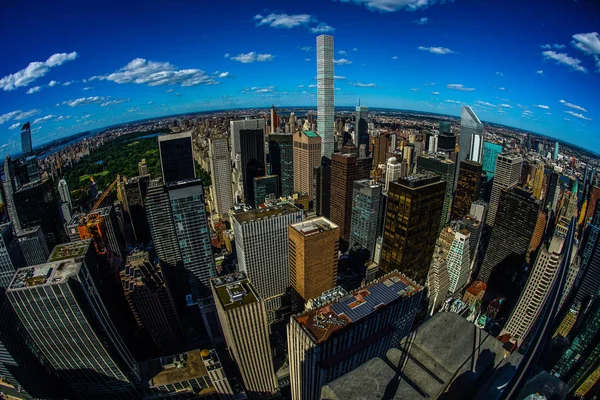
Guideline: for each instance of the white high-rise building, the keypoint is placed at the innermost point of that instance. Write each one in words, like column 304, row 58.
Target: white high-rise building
column 438, row 280
column 64, row 193
column 470, row 126
column 393, row 171
column 508, row 174
column 459, row 260
column 220, row 172
column 325, row 89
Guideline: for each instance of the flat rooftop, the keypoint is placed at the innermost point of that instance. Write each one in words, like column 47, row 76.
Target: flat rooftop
column 314, row 226
column 418, row 180
column 311, row 134
column 179, row 368
column 265, row 213
column 45, row 274
column 29, row 231
column 234, row 291
column 102, row 211
column 172, row 136
column 321, row 323
column 70, row 250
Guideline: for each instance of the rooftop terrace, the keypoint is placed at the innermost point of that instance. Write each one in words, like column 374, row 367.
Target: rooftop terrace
column 179, row 368
column 234, row 291
column 321, row 323
column 265, row 213
column 314, row 226
column 45, row 274
column 70, row 250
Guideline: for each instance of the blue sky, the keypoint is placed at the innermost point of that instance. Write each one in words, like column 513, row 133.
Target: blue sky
column 71, row 66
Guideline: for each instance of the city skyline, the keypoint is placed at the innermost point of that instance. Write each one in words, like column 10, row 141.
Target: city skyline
column 71, row 82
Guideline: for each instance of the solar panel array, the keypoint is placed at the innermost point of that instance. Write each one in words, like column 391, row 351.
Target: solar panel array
column 380, row 294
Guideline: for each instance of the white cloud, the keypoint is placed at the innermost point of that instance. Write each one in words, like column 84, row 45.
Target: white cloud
column 505, row 106
column 501, row 88
column 306, row 48
column 312, row 85
column 453, row 101
column 223, row 74
column 359, row 84
column 322, row 28
column 62, row 118
column 541, row 106
column 415, row 89
column 17, row 115
column 566, row 119
column 67, row 83
column 421, row 21
column 53, row 83
column 87, row 88
column 459, row 86
column 394, row 5
column 548, row 113
column 529, row 112
column 85, row 101
column 113, row 102
column 34, row 89
column 355, row 49
column 562, row 58
column 170, row 91
column 430, row 84
column 436, row 50
column 553, row 46
column 589, row 43
column 14, row 126
column 342, row 53
column 152, row 73
column 34, row 70
column 395, row 58
column 485, row 103
column 576, row 115
column 249, row 58
column 300, row 86
column 539, row 72
column 264, row 90
column 499, row 74
column 339, row 77
column 571, row 105
column 436, row 93
column 342, row 61
column 43, row 119
column 283, row 20
column 307, row 59
column 227, row 55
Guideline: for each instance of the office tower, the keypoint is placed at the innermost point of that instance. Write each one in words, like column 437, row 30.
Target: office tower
column 455, row 241
column 471, row 136
column 66, row 212
column 325, row 92
column 346, row 167
column 243, row 318
column 261, row 242
column 438, row 280
column 274, row 120
column 380, row 146
column 143, row 168
column 176, row 157
column 26, row 145
column 9, row 189
column 220, row 173
column 235, row 129
column 35, row 205
column 33, row 245
column 150, row 301
column 537, row 183
column 555, row 152
column 292, row 122
column 313, row 256
column 50, row 300
column 393, row 171
column 590, row 266
column 281, row 153
column 64, row 192
column 411, row 224
column 552, row 191
column 361, row 129
column 188, row 211
column 307, row 156
column 216, row 373
column 327, row 342
column 322, row 188
column 136, row 189
column 511, row 236
column 593, row 203
column 252, row 158
column 490, row 156
column 367, row 203
column 508, row 172
column 446, row 141
column 11, row 256
column 467, row 189
column 445, row 169
column 33, row 171
column 265, row 187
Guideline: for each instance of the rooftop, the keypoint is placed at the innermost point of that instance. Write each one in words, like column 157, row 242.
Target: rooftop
column 260, row 178
column 321, row 323
column 172, row 136
column 70, row 250
column 418, row 180
column 102, row 211
column 49, row 273
column 311, row 134
column 234, row 291
column 313, row 226
column 29, row 231
column 260, row 214
column 179, row 368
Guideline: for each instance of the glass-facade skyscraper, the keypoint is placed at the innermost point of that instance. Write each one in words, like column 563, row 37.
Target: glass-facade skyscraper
column 325, row 93
column 445, row 169
column 176, row 157
column 26, row 146
column 490, row 155
column 361, row 129
column 281, row 158
column 470, row 148
column 367, row 201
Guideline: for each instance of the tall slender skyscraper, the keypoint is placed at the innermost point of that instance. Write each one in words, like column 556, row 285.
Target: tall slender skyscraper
column 136, row 189
column 325, row 93
column 236, row 129
column 367, row 203
column 220, row 172
column 490, row 156
column 9, row 189
column 26, row 146
column 11, row 256
column 33, row 244
column 64, row 192
column 361, row 129
column 252, row 151
column 281, row 156
column 467, row 189
column 307, row 156
column 508, row 174
column 445, row 169
column 470, row 147
column 176, row 157
column 322, row 188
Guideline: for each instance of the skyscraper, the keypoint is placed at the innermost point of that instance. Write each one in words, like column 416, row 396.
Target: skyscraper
column 445, row 169
column 220, row 172
column 367, row 204
column 516, row 222
column 150, row 301
column 136, row 189
column 555, row 152
column 243, row 318
column 50, row 300
column 307, row 156
column 346, row 167
column 281, row 153
column 467, row 189
column 490, row 156
column 508, row 173
column 329, row 341
column 236, row 128
column 393, row 171
column 33, row 245
column 322, row 188
column 261, row 242
column 252, row 156
column 590, row 266
column 438, row 280
column 274, row 120
column 143, row 168
column 176, row 157
column 265, row 187
column 471, row 136
column 313, row 256
column 11, row 256
column 9, row 189
column 380, row 147
column 456, row 241
column 361, row 129
column 26, row 145
column 411, row 225
column 64, row 192
column 325, row 93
